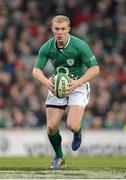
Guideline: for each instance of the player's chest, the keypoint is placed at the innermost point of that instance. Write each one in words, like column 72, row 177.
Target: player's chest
column 62, row 57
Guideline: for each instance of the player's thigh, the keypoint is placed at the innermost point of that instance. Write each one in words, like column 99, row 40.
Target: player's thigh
column 77, row 102
column 54, row 115
column 74, row 117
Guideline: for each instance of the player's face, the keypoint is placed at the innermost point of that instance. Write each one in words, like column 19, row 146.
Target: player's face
column 60, row 31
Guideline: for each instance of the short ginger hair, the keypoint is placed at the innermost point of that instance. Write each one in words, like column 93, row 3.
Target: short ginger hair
column 60, row 19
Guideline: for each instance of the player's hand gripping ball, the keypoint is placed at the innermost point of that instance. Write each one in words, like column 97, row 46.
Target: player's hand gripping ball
column 61, row 85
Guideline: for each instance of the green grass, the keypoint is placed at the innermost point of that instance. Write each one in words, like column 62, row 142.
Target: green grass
column 75, row 168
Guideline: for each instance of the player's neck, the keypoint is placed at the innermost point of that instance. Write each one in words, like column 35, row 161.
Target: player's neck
column 62, row 44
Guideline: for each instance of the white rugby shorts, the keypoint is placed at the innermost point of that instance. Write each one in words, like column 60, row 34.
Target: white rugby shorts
column 80, row 96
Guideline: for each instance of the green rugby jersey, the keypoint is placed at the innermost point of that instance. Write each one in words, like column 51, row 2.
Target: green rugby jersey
column 73, row 59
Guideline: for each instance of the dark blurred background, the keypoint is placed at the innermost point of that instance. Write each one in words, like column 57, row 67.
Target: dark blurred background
column 25, row 26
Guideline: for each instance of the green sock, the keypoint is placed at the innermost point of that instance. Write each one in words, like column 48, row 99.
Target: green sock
column 56, row 143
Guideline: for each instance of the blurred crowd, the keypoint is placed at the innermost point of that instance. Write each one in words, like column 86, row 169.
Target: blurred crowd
column 25, row 26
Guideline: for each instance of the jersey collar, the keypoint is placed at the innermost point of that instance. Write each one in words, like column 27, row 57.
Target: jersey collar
column 66, row 43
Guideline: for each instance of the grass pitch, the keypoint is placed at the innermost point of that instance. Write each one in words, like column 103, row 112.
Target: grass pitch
column 75, row 168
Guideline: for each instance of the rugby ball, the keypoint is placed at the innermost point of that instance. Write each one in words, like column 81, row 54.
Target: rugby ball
column 61, row 85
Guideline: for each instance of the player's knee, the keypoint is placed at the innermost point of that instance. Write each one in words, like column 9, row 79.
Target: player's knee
column 51, row 128
column 73, row 127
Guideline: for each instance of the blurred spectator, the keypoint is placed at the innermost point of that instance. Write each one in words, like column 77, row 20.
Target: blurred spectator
column 24, row 27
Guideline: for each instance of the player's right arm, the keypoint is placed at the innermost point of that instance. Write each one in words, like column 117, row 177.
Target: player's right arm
column 38, row 74
column 39, row 66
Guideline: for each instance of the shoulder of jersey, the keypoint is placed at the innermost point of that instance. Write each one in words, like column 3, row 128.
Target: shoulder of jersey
column 75, row 38
column 77, row 41
column 48, row 44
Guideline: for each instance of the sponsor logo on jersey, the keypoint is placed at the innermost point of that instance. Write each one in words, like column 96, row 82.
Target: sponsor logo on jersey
column 70, row 62
column 61, row 69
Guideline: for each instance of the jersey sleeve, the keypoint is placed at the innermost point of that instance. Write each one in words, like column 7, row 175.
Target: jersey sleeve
column 42, row 58
column 87, row 56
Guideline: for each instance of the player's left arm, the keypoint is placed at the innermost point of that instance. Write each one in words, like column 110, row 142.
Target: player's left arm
column 92, row 71
column 89, row 74
column 88, row 59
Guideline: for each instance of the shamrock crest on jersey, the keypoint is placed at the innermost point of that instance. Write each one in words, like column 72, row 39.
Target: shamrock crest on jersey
column 70, row 62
